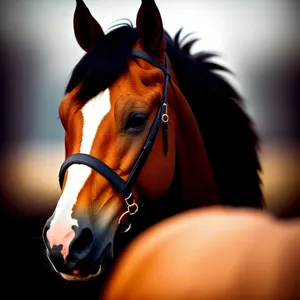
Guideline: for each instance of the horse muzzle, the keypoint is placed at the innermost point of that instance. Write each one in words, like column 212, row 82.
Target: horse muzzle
column 89, row 253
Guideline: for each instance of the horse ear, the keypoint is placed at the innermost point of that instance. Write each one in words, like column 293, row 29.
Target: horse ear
column 150, row 29
column 87, row 30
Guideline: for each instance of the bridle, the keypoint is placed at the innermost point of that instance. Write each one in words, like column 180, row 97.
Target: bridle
column 125, row 187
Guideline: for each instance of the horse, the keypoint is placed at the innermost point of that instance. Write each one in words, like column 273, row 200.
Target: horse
column 211, row 253
column 150, row 131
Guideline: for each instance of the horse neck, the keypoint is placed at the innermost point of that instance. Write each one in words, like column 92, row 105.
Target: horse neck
column 193, row 170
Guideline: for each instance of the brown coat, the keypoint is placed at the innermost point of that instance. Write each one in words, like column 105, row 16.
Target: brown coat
column 212, row 253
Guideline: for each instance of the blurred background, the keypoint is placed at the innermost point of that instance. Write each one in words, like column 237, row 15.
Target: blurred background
column 258, row 40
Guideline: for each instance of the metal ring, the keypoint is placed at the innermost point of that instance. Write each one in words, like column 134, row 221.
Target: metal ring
column 127, row 198
column 165, row 118
column 127, row 229
column 130, row 195
column 122, row 215
column 120, row 223
column 135, row 210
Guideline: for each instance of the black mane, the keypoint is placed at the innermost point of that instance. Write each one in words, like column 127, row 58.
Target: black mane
column 227, row 131
column 230, row 139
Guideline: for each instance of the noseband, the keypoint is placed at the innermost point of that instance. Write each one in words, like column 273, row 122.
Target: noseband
column 125, row 187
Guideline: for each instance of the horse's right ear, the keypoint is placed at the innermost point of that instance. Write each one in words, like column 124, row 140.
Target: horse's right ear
column 88, row 31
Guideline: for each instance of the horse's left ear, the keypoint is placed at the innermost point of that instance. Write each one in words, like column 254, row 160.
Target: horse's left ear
column 150, row 29
column 88, row 31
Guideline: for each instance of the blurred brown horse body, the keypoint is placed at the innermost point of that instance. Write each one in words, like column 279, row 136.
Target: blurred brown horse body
column 146, row 122
column 211, row 253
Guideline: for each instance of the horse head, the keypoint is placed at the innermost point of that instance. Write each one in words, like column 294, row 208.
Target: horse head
column 131, row 139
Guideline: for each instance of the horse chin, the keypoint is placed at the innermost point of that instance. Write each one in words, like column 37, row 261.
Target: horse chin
column 97, row 268
column 81, row 278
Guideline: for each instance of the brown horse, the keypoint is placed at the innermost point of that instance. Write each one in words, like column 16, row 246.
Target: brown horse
column 211, row 253
column 150, row 131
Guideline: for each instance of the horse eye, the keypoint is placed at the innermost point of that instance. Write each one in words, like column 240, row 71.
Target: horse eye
column 136, row 122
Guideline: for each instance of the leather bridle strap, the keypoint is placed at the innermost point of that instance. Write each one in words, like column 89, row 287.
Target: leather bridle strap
column 99, row 166
column 157, row 121
column 151, row 60
column 124, row 187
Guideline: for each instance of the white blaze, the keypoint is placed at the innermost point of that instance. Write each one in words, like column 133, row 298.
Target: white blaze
column 93, row 113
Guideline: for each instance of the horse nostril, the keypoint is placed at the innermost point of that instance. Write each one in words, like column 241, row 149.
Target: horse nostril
column 82, row 243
